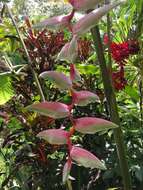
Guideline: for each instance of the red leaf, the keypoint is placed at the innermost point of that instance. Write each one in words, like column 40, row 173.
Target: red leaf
column 86, row 159
column 91, row 125
column 52, row 109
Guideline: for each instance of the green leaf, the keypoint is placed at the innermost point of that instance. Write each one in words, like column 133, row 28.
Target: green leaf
column 132, row 92
column 6, row 89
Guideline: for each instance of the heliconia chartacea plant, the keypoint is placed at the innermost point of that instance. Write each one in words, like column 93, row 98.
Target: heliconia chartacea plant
column 59, row 79
column 85, row 158
column 51, row 109
column 85, row 125
column 54, row 136
column 91, row 125
column 84, row 5
column 57, row 110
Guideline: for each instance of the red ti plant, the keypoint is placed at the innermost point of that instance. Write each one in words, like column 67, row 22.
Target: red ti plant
column 57, row 110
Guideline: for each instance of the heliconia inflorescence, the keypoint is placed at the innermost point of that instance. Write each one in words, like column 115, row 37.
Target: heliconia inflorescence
column 58, row 110
column 85, row 125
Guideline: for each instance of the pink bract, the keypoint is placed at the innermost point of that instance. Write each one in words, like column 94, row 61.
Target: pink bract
column 83, row 97
column 91, row 19
column 66, row 170
column 70, row 51
column 86, row 158
column 60, row 80
column 91, row 125
column 52, row 109
column 84, row 5
column 56, row 22
column 74, row 74
column 54, row 136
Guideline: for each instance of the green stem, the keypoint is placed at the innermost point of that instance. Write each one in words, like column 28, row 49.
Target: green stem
column 112, row 105
column 141, row 102
column 27, row 55
column 109, row 39
column 69, row 186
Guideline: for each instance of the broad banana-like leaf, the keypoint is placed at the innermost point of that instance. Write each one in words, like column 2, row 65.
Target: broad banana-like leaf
column 70, row 51
column 90, row 20
column 86, row 158
column 83, row 97
column 52, row 109
column 74, row 74
column 84, row 5
column 54, row 136
column 6, row 89
column 59, row 79
column 91, row 125
column 66, row 170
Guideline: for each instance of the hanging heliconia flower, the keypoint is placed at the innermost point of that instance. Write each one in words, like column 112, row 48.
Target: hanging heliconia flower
column 90, row 20
column 84, row 5
column 57, row 110
column 56, row 22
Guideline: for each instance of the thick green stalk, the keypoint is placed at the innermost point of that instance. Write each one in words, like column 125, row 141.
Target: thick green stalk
column 109, row 38
column 27, row 54
column 112, row 105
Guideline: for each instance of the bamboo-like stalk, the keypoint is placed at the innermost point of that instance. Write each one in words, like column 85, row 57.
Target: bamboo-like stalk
column 112, row 105
column 109, row 38
column 27, row 54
